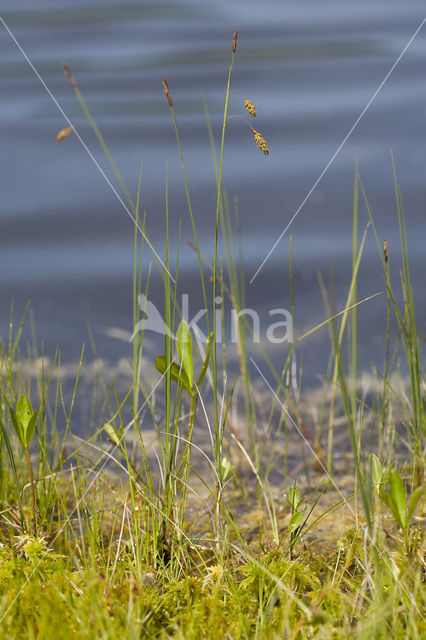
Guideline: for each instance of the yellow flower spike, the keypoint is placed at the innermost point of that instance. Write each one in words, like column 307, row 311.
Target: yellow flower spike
column 250, row 107
column 260, row 142
column 64, row 133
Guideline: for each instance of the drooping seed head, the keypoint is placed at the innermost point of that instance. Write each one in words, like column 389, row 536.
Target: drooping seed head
column 167, row 91
column 250, row 107
column 260, row 142
column 63, row 133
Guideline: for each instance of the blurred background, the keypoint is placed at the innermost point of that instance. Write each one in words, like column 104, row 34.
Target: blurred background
column 310, row 67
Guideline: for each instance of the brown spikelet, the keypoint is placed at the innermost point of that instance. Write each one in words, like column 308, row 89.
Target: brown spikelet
column 250, row 107
column 191, row 244
column 63, row 133
column 167, row 91
column 69, row 75
column 260, row 142
column 234, row 41
column 386, row 251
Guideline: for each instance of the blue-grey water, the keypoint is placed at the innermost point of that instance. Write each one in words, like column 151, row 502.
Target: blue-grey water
column 310, row 67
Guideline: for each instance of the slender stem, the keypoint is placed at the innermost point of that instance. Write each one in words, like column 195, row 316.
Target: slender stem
column 386, row 365
column 194, row 228
column 218, row 201
column 234, row 115
column 353, row 346
column 33, row 495
column 136, row 291
column 184, row 465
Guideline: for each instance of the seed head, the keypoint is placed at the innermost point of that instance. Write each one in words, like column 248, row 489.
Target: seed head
column 386, row 251
column 167, row 91
column 260, row 142
column 69, row 75
column 64, row 133
column 234, row 41
column 250, row 107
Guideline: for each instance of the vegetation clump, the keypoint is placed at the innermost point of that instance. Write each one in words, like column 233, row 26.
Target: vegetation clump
column 201, row 526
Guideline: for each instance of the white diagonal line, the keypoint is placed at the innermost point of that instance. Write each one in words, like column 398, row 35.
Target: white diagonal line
column 339, row 148
column 85, row 493
column 334, row 484
column 86, row 148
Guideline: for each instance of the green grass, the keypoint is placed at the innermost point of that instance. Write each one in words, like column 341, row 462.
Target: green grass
column 214, row 534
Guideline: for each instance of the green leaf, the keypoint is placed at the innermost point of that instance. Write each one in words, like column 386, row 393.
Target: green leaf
column 293, row 497
column 399, row 496
column 24, row 420
column 206, row 359
column 112, row 434
column 31, row 428
column 225, row 467
column 16, row 423
column 14, row 470
column 177, row 374
column 384, row 482
column 184, row 348
column 414, row 499
column 387, row 499
column 295, row 521
column 375, row 470
column 24, row 411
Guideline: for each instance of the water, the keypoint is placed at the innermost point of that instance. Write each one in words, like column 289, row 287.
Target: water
column 310, row 67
